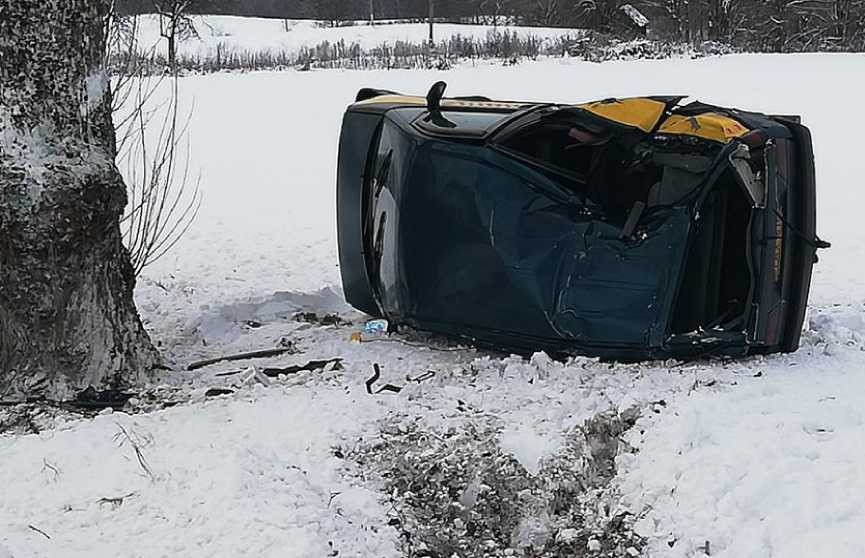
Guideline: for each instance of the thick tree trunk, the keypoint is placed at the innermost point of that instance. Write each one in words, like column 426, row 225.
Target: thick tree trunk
column 67, row 317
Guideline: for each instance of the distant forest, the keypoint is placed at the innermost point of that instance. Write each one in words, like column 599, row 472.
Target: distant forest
column 763, row 25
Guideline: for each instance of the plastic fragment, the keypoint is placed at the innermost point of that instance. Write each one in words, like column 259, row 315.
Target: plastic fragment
column 376, row 328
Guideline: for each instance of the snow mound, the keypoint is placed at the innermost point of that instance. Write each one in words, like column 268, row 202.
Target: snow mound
column 767, row 469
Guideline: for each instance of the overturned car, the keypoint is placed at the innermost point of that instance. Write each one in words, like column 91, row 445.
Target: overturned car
column 625, row 228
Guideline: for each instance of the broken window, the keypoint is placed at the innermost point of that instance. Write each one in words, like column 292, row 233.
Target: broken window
column 593, row 160
column 628, row 177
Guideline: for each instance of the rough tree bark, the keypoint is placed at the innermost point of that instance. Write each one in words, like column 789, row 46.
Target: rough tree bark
column 67, row 317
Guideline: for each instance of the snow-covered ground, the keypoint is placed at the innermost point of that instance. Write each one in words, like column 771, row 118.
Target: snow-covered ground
column 759, row 458
column 235, row 34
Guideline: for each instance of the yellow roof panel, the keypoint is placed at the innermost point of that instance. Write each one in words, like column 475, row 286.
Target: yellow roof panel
column 637, row 112
column 710, row 125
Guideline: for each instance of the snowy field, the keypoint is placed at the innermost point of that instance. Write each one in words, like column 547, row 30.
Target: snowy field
column 759, row 458
column 288, row 36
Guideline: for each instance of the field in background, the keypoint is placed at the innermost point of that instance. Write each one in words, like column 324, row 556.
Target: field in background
column 233, row 43
column 239, row 43
column 259, row 34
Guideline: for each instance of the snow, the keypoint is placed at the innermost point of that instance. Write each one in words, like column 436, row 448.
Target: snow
column 528, row 447
column 760, row 457
column 255, row 475
column 94, row 90
column 32, row 153
column 232, row 33
column 771, row 468
column 635, row 15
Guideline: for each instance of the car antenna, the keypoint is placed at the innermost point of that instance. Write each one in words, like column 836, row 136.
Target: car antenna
column 434, row 105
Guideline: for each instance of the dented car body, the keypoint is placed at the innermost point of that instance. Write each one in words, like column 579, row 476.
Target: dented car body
column 624, row 229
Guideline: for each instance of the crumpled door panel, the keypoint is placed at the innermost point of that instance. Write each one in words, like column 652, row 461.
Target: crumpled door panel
column 488, row 243
column 615, row 290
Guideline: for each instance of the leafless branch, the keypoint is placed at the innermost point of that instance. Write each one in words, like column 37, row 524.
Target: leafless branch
column 153, row 149
column 124, row 437
column 40, row 531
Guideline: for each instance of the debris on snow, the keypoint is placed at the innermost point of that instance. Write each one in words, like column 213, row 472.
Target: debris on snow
column 376, row 375
column 265, row 353
column 325, row 320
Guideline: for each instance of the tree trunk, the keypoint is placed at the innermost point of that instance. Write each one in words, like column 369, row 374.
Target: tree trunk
column 172, row 47
column 67, row 317
column 432, row 15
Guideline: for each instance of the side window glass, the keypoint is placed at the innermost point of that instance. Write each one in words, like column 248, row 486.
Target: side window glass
column 597, row 161
column 562, row 145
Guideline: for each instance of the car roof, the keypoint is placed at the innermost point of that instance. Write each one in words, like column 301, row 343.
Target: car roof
column 469, row 104
column 655, row 114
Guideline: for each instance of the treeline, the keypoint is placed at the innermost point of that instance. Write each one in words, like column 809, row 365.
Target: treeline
column 761, row 25
column 331, row 11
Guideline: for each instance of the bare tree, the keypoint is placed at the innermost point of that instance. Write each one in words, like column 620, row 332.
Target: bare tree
column 163, row 199
column 153, row 150
column 546, row 12
column 431, row 17
column 67, row 317
column 489, row 12
column 332, row 12
column 175, row 24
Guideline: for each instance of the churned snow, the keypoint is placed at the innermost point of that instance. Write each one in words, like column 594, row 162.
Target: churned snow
column 753, row 458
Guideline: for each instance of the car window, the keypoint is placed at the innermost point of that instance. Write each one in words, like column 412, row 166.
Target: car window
column 560, row 144
column 598, row 161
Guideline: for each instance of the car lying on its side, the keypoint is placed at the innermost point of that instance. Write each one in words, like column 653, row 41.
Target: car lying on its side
column 624, row 229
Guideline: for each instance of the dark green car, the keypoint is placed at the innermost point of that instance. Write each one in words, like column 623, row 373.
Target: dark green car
column 625, row 228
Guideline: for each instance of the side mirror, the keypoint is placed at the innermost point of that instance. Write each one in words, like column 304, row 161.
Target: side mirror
column 434, row 105
column 434, row 97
